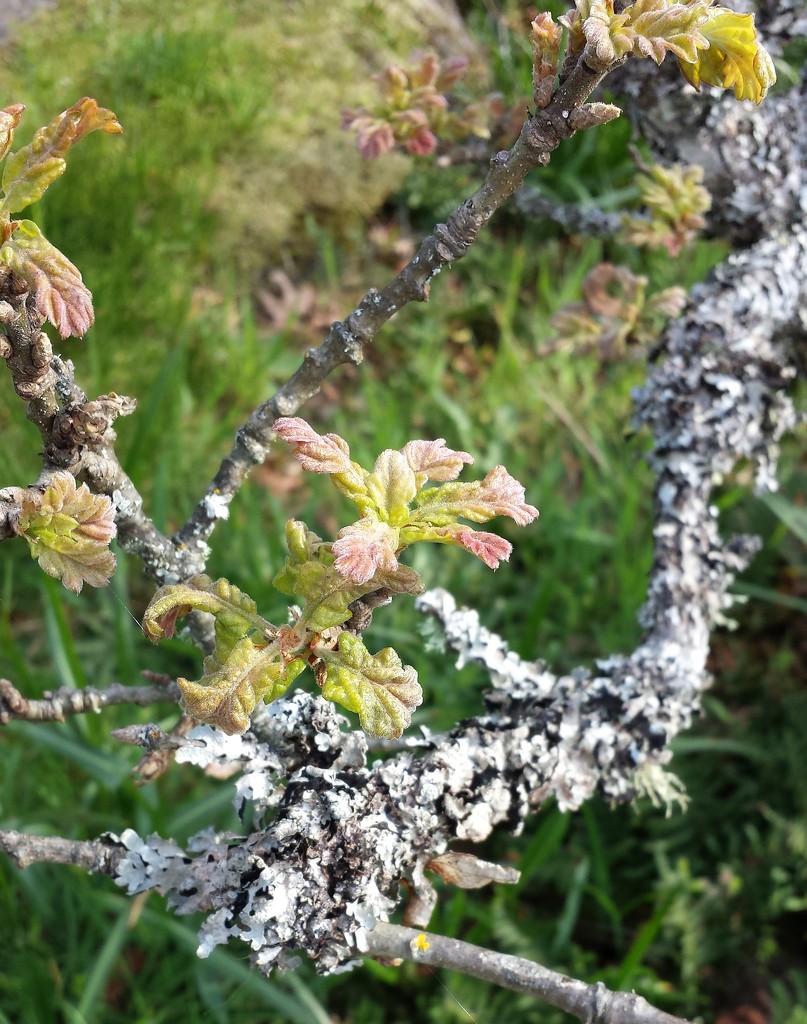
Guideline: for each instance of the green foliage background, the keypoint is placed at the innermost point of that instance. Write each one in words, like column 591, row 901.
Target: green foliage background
column 232, row 164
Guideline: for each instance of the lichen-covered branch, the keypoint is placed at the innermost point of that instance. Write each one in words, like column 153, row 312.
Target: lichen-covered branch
column 586, row 1002
column 753, row 157
column 341, row 837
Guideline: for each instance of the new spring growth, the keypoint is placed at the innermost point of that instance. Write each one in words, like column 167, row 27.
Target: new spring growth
column 255, row 660
column 61, row 295
column 674, row 201
column 545, row 37
column 713, row 45
column 69, row 531
column 412, row 109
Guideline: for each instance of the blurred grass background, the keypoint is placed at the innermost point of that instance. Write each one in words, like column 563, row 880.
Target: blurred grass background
column 233, row 169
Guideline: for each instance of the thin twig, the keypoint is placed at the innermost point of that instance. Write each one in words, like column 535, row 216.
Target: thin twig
column 593, row 1004
column 57, row 705
column 348, row 338
column 158, row 758
column 99, row 856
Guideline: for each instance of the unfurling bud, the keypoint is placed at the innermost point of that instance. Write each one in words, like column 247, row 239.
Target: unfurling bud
column 545, row 36
column 592, row 114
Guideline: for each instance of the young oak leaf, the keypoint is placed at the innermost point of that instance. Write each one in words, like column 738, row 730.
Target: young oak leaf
column 377, row 687
column 735, row 58
column 498, row 494
column 647, row 28
column 9, row 121
column 432, row 460
column 235, row 612
column 488, row 547
column 391, row 486
column 369, row 548
column 69, row 530
column 61, row 295
column 327, row 594
column 323, row 453
column 228, row 692
column 365, row 549
column 659, row 27
column 546, row 37
column 30, row 170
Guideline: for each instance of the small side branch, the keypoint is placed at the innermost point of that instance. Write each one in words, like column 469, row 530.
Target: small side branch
column 94, row 855
column 347, row 339
column 592, row 1004
column 56, row 706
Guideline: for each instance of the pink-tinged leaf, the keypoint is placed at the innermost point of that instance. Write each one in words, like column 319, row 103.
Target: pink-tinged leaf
column 505, row 496
column 69, row 530
column 30, row 170
column 434, row 460
column 393, row 84
column 374, row 137
column 412, row 127
column 366, row 548
column 499, row 494
column 487, row 546
column 235, row 612
column 318, row 453
column 451, row 72
column 424, row 71
column 422, row 142
column 9, row 120
column 165, row 625
column 61, row 295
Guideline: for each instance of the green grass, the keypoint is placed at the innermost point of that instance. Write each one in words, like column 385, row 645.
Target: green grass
column 693, row 910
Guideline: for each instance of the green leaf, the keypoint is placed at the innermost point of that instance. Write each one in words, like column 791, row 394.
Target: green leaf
column 61, row 295
column 327, row 595
column 498, row 494
column 69, row 530
column 235, row 612
column 647, row 28
column 32, row 169
column 377, row 687
column 392, row 486
column 735, row 59
column 228, row 692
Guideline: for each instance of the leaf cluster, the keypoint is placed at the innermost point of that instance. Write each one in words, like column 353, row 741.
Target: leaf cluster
column 412, row 109
column 255, row 660
column 61, row 295
column 69, row 531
